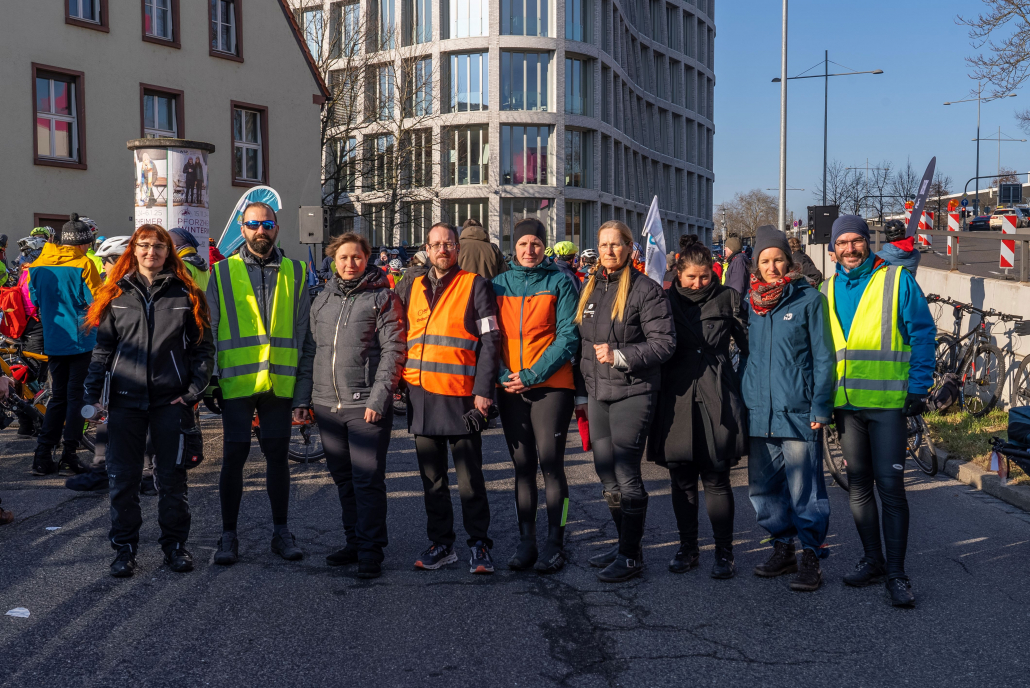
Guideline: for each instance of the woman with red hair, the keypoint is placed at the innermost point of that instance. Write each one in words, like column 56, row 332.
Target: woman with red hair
column 155, row 352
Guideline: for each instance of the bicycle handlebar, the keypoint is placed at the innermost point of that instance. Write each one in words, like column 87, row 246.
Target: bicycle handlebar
column 969, row 308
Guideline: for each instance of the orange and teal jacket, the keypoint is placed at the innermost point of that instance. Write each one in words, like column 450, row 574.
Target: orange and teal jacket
column 61, row 283
column 536, row 312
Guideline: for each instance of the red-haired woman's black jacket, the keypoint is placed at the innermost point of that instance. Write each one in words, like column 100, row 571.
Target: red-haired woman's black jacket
column 147, row 340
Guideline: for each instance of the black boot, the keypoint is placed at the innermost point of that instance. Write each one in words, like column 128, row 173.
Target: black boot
column 784, row 559
column 69, row 463
column 43, row 460
column 629, row 561
column 723, row 568
column 526, row 553
column 604, row 559
column 552, row 559
column 809, row 576
column 124, row 565
column 686, row 559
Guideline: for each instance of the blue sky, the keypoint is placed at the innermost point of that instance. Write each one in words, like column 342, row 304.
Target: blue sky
column 891, row 116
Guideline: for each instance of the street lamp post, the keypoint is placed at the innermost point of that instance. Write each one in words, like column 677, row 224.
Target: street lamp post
column 826, row 103
column 1000, row 141
column 979, row 100
column 782, row 214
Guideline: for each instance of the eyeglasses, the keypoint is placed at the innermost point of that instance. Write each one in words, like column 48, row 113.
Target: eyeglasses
column 856, row 243
column 446, row 246
column 610, row 247
column 264, row 224
column 157, row 248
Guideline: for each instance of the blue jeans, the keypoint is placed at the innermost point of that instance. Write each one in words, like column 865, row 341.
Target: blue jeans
column 787, row 489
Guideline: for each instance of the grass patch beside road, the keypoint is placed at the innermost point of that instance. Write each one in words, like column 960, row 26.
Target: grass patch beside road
column 965, row 437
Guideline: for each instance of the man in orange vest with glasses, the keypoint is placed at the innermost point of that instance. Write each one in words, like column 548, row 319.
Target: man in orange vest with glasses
column 453, row 360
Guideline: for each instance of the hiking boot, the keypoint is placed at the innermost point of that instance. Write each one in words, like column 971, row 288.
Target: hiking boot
column 179, row 559
column 70, row 463
column 43, row 461
column 342, row 557
column 552, row 558
column 124, row 565
column 867, row 572
column 784, row 559
column 622, row 569
column 686, row 559
column 228, row 552
column 480, row 561
column 88, row 482
column 809, row 576
column 285, row 545
column 369, row 568
column 436, row 556
column 724, row 568
column 900, row 592
column 526, row 553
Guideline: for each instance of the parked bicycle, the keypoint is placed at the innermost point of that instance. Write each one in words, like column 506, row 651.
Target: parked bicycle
column 921, row 449
column 1019, row 394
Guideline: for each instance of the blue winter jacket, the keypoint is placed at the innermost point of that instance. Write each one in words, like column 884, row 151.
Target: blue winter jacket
column 61, row 284
column 788, row 380
column 898, row 256
column 915, row 323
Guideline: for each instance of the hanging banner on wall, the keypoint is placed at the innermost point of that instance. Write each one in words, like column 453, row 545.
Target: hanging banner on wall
column 171, row 184
column 189, row 203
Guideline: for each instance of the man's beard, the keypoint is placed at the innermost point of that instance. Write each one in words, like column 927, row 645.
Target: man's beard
column 260, row 245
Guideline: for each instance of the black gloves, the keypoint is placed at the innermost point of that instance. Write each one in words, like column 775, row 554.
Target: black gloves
column 476, row 422
column 915, row 405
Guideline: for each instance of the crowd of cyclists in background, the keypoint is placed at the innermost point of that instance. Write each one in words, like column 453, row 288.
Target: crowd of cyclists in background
column 732, row 356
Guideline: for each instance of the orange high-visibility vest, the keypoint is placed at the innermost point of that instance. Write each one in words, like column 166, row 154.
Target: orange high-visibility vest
column 441, row 352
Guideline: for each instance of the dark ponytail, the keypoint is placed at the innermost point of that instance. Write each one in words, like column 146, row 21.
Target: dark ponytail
column 692, row 252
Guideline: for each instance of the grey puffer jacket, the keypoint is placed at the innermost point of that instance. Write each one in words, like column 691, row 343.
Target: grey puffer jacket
column 645, row 337
column 360, row 344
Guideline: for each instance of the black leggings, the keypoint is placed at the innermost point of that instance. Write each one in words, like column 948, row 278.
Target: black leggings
column 277, row 479
column 873, row 442
column 618, row 430
column 536, row 424
column 718, row 500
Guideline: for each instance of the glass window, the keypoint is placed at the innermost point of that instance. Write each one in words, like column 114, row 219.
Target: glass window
column 380, row 94
column 387, row 22
column 670, row 27
column 524, row 81
column 578, row 158
column 578, row 20
column 223, row 26
column 416, row 219
column 381, row 149
column 157, row 18
column 420, row 88
column 419, row 18
column 457, row 211
column 468, row 156
column 379, row 222
column 247, row 143
column 469, row 79
column 159, row 115
column 577, row 223
column 88, row 10
column 467, row 18
column 515, row 209
column 344, row 30
column 57, row 134
column 526, row 156
column 606, row 164
column 525, row 17
column 579, row 94
column 314, row 32
column 606, row 95
column 418, row 156
column 342, row 164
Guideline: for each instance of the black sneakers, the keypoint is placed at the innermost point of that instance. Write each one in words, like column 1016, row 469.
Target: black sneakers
column 124, row 564
column 809, row 576
column 179, row 559
column 867, row 572
column 228, row 550
column 686, row 559
column 435, row 557
column 551, row 560
column 285, row 545
column 899, row 590
column 783, row 560
column 480, row 561
column 526, row 553
column 724, row 568
column 43, row 461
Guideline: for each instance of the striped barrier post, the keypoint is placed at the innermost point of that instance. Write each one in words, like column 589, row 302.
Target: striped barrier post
column 954, row 225
column 926, row 225
column 1008, row 246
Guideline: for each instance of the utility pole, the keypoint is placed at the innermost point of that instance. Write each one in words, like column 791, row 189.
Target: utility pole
column 826, row 114
column 782, row 214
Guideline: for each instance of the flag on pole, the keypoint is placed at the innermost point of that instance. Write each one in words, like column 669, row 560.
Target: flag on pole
column 655, row 264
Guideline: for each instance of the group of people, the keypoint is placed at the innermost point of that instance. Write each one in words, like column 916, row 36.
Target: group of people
column 652, row 369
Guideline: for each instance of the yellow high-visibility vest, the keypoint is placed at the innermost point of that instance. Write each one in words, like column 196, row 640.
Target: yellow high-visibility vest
column 873, row 360
column 250, row 359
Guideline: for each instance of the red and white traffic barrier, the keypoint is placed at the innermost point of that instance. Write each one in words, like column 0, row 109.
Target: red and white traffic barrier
column 954, row 225
column 1008, row 246
column 926, row 225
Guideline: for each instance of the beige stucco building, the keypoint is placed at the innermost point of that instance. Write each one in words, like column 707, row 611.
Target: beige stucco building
column 97, row 73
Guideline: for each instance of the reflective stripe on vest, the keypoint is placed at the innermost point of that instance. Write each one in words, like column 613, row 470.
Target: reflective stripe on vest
column 441, row 352
column 250, row 359
column 873, row 361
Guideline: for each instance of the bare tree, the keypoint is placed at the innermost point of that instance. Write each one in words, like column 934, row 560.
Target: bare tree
column 1006, row 176
column 877, row 189
column 748, row 211
column 904, row 185
column 939, row 187
column 1001, row 34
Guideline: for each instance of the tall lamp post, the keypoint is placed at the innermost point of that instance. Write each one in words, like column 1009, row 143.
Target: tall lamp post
column 826, row 102
column 1000, row 141
column 979, row 100
column 782, row 215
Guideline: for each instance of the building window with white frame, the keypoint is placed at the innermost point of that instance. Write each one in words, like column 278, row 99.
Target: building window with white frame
column 223, row 26
column 469, row 78
column 157, row 19
column 382, row 158
column 525, row 18
column 386, row 20
column 459, row 210
column 468, row 155
column 379, row 93
column 419, row 88
column 159, row 116
column 418, row 158
column 467, row 18
column 526, row 156
column 86, row 10
column 419, row 21
column 525, row 81
column 417, row 218
column 248, row 145
column 57, row 123
column 344, row 29
column 579, row 92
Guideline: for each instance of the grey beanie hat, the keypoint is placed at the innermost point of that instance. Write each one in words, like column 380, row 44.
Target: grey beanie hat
column 734, row 245
column 75, row 232
column 848, row 224
column 768, row 236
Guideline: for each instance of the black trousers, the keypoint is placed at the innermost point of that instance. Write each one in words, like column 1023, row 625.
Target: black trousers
column 468, row 464
column 718, row 501
column 64, row 410
column 126, row 447
column 355, row 453
column 536, row 424
column 873, row 442
column 618, row 430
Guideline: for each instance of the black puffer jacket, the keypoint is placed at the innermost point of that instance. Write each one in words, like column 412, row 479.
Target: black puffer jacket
column 360, row 345
column 645, row 337
column 149, row 344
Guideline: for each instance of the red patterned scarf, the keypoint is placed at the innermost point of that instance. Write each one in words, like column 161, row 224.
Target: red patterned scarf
column 764, row 295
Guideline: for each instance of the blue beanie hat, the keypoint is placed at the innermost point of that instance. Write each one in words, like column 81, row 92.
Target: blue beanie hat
column 182, row 237
column 848, row 224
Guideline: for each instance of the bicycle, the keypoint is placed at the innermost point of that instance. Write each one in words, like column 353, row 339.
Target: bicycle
column 978, row 364
column 920, row 448
column 1012, row 453
column 1019, row 393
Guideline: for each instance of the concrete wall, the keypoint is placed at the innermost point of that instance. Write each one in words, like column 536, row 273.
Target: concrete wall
column 273, row 74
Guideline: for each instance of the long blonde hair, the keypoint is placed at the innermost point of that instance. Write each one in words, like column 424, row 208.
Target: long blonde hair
column 622, row 296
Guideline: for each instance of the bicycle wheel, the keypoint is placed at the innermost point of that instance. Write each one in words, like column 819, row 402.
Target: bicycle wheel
column 980, row 381
column 920, row 447
column 833, row 457
column 946, row 355
column 1020, row 393
column 306, row 443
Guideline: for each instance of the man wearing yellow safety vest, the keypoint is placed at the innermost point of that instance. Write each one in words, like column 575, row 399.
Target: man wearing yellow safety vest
column 453, row 360
column 884, row 337
column 259, row 314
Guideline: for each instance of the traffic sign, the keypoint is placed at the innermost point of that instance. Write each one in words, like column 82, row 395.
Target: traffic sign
column 965, row 202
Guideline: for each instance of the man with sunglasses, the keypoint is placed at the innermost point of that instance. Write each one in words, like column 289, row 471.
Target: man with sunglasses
column 259, row 316
column 884, row 337
column 453, row 361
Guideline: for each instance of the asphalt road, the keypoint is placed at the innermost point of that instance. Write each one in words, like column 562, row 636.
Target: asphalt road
column 976, row 257
column 269, row 622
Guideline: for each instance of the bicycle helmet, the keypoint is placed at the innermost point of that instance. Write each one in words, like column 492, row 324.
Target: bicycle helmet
column 395, row 264
column 44, row 232
column 637, row 247
column 549, row 252
column 895, row 230
column 565, row 248
column 113, row 247
column 31, row 243
column 93, row 229
column 588, row 256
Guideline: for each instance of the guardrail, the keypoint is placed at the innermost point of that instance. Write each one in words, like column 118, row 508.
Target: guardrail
column 1021, row 238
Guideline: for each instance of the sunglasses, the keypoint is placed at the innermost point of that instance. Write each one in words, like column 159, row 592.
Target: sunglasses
column 264, row 224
